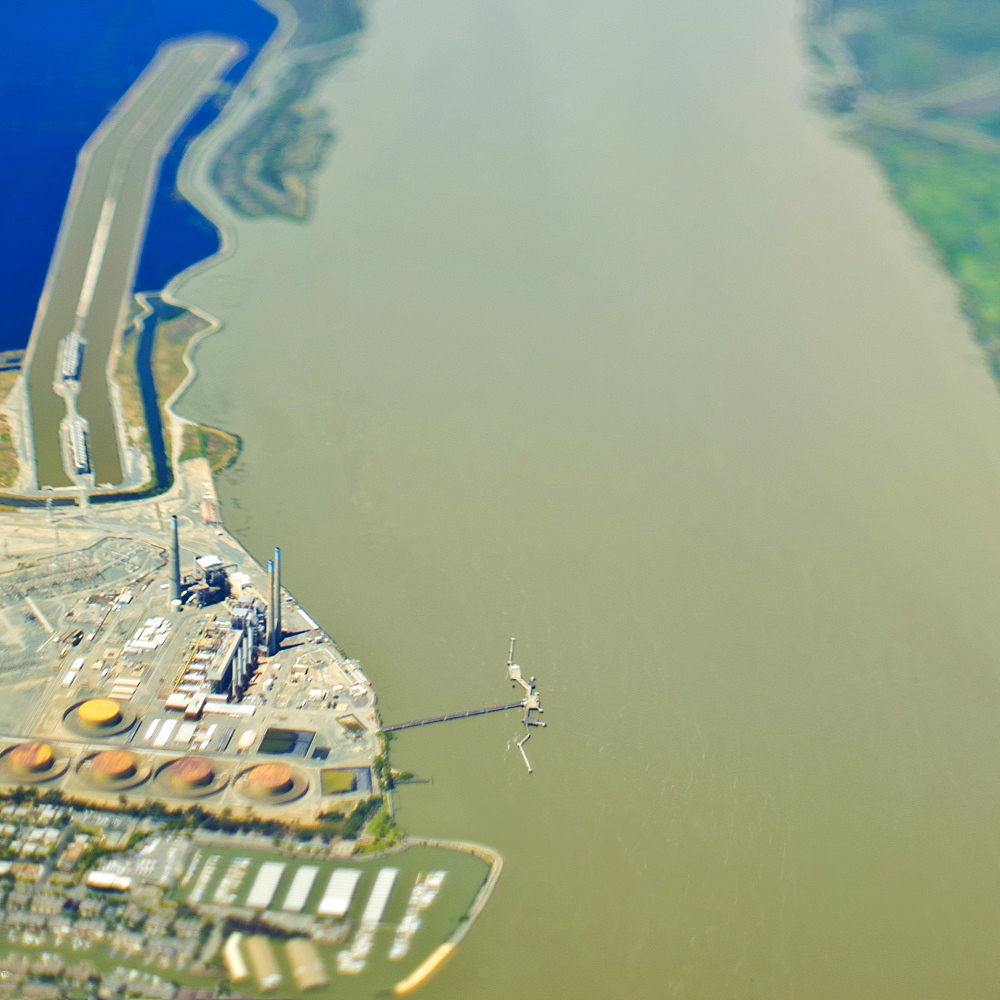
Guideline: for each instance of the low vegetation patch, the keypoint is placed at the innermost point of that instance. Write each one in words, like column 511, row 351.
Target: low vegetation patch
column 337, row 781
column 918, row 86
column 219, row 447
column 381, row 833
column 953, row 195
column 9, row 467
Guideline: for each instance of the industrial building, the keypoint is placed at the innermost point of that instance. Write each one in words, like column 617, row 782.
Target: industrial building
column 265, row 885
column 218, row 668
column 339, row 892
column 298, row 891
column 251, row 615
column 211, row 587
column 307, row 966
column 274, row 630
column 231, row 658
column 379, row 898
column 232, row 958
column 71, row 357
column 78, row 447
column 263, row 962
column 136, row 675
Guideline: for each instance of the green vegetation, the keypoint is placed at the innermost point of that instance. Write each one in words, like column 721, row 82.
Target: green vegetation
column 127, row 378
column 382, row 830
column 335, row 823
column 917, row 83
column 908, row 46
column 337, row 780
column 172, row 331
column 325, row 20
column 191, row 817
column 332, row 824
column 8, row 454
column 285, row 741
column 173, row 334
column 953, row 194
column 219, row 447
column 265, row 169
column 381, row 770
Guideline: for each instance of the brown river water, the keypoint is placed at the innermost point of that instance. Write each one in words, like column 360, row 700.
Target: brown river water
column 599, row 337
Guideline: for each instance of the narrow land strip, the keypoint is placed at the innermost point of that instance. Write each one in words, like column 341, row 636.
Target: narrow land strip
column 90, row 279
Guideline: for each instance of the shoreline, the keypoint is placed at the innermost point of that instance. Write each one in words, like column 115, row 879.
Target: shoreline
column 141, row 513
column 935, row 154
column 198, row 195
column 91, row 276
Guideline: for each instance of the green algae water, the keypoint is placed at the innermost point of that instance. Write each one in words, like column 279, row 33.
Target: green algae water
column 598, row 337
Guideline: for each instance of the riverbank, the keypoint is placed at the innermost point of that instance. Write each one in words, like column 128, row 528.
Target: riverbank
column 607, row 343
column 921, row 95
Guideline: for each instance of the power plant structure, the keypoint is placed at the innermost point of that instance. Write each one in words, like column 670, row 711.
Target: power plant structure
column 175, row 565
column 224, row 655
column 251, row 615
column 212, row 587
column 270, row 606
column 274, row 603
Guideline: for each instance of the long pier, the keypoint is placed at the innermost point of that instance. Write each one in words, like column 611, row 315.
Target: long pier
column 531, row 704
column 454, row 715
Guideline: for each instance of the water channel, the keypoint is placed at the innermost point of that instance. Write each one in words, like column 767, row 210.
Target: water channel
column 600, row 338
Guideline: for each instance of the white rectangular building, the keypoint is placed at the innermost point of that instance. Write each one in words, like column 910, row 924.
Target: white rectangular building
column 265, row 885
column 236, row 967
column 184, row 732
column 339, row 892
column 298, row 891
column 379, row 898
column 164, row 734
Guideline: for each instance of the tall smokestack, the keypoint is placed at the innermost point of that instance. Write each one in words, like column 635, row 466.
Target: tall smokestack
column 269, row 637
column 276, row 635
column 175, row 565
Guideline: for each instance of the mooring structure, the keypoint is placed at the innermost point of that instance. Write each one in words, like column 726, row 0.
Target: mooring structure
column 531, row 703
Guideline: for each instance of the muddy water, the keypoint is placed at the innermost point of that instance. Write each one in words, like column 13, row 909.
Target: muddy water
column 599, row 338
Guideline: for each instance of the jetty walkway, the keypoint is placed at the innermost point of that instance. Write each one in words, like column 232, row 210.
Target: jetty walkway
column 454, row 715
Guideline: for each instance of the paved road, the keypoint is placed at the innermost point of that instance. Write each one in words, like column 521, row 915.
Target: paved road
column 93, row 267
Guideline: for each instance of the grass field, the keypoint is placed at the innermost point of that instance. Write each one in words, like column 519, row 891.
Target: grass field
column 219, row 447
column 337, row 780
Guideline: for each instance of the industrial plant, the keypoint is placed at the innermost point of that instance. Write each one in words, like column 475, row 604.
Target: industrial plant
column 189, row 758
column 182, row 672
